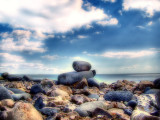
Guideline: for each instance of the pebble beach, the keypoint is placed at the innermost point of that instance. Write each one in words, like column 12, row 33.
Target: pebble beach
column 78, row 96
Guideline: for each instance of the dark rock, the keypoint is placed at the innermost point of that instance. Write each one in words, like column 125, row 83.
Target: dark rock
column 95, row 96
column 27, row 78
column 132, row 103
column 157, row 83
column 14, row 78
column 16, row 91
column 51, row 118
column 93, row 83
column 118, row 96
column 3, row 115
column 128, row 111
column 81, row 66
column 5, row 75
column 73, row 77
column 39, row 103
column 4, row 93
column 49, row 111
column 81, row 91
column 37, row 89
column 22, row 96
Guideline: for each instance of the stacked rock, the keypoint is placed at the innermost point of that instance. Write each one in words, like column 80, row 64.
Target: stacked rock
column 82, row 70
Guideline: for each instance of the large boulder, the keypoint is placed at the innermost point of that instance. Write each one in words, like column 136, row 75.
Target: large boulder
column 24, row 111
column 81, row 66
column 157, row 83
column 4, row 93
column 118, row 96
column 11, row 77
column 73, row 77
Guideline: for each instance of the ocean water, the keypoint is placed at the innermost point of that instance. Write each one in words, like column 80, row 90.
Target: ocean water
column 108, row 78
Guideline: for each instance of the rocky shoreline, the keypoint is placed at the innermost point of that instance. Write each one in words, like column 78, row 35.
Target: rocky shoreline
column 78, row 96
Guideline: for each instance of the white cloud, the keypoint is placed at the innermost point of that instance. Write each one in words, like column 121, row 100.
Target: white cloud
column 88, row 26
column 127, row 54
column 112, row 21
column 48, row 15
column 50, row 57
column 109, row 1
column 23, row 40
column 82, row 36
column 140, row 27
column 11, row 58
column 150, row 23
column 148, row 6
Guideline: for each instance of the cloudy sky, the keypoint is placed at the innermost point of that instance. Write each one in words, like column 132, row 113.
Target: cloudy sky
column 46, row 36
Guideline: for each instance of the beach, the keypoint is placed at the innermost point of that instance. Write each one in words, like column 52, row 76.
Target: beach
column 77, row 96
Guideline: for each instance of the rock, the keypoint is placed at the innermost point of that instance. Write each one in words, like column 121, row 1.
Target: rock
column 132, row 103
column 4, row 93
column 39, row 103
column 3, row 115
column 118, row 96
column 60, row 101
column 92, row 83
column 118, row 114
column 142, row 115
column 8, row 103
column 152, row 91
column 81, row 66
column 65, row 88
column 155, row 82
column 16, row 91
column 88, row 107
column 27, row 78
column 81, row 84
column 58, row 92
column 69, row 116
column 17, row 84
column 157, row 96
column 143, row 84
column 73, row 77
column 100, row 111
column 5, row 75
column 37, row 89
column 81, row 91
column 146, row 102
column 13, row 78
column 93, row 96
column 49, row 111
column 47, row 83
column 22, row 96
column 128, row 111
column 24, row 111
column 79, row 99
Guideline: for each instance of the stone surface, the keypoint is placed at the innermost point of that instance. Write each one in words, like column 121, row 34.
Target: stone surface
column 88, row 107
column 8, row 103
column 92, row 83
column 24, row 111
column 118, row 96
column 73, row 77
column 157, row 83
column 22, row 96
column 81, row 66
column 81, row 84
column 4, row 93
column 37, row 89
column 79, row 99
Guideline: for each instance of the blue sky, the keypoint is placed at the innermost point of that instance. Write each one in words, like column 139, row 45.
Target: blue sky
column 46, row 36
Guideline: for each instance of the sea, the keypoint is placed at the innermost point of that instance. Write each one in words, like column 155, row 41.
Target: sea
column 107, row 78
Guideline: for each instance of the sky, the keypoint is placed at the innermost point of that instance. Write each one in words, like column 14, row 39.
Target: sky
column 46, row 36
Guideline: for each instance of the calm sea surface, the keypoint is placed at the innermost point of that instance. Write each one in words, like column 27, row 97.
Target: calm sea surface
column 108, row 78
